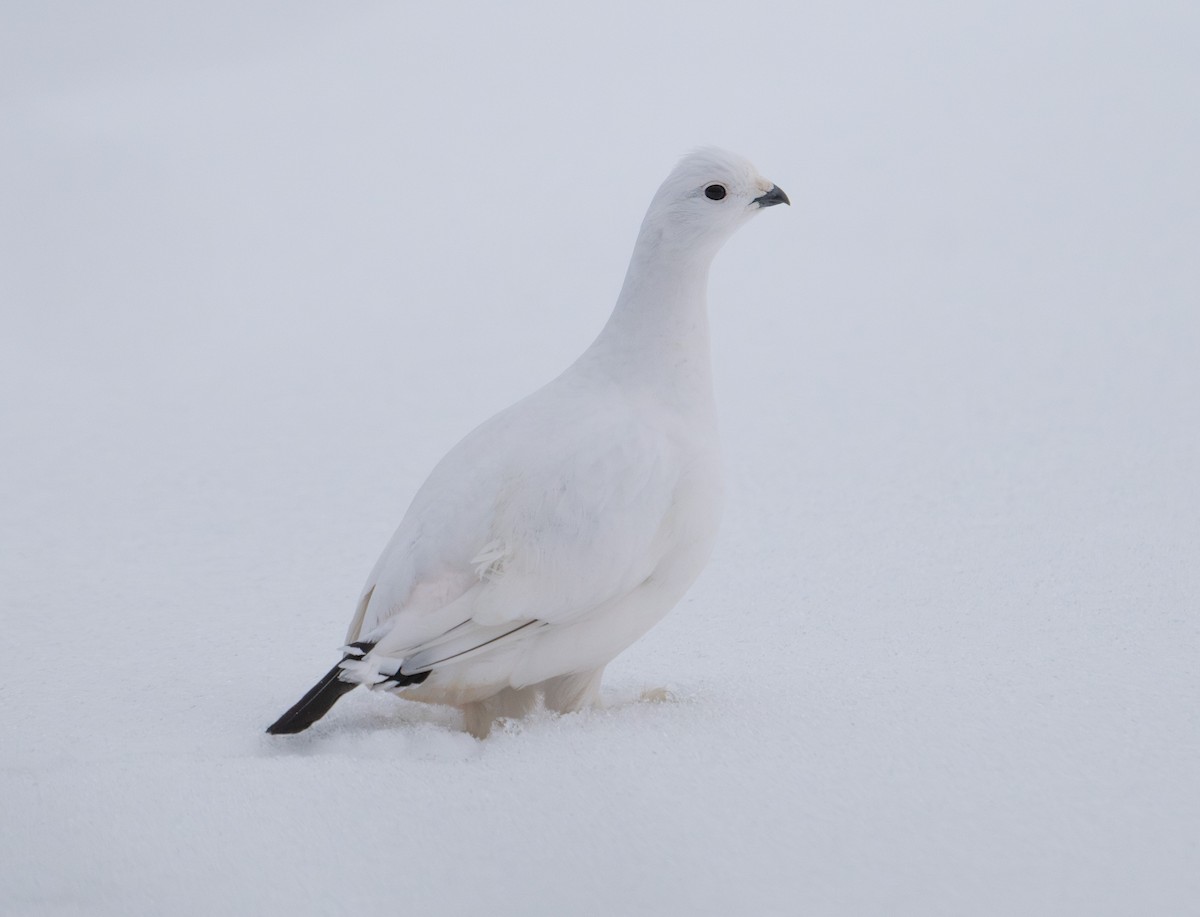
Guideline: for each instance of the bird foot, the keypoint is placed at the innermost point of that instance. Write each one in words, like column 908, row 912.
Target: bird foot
column 658, row 696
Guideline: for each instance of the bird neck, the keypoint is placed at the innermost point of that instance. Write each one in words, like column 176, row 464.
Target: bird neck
column 657, row 335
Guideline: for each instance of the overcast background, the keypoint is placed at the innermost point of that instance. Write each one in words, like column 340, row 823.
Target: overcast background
column 262, row 264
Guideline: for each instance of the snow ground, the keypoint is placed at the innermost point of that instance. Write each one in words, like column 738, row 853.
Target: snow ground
column 260, row 266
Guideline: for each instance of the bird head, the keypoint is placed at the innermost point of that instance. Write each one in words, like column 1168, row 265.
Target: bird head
column 709, row 194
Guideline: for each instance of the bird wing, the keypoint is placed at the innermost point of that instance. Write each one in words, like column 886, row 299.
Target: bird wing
column 537, row 518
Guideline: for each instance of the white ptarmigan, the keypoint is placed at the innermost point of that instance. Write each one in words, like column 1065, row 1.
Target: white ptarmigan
column 560, row 531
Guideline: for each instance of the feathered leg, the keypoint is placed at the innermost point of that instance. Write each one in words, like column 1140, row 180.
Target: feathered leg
column 568, row 693
column 479, row 716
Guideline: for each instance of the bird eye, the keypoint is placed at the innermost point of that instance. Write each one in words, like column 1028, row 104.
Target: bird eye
column 714, row 192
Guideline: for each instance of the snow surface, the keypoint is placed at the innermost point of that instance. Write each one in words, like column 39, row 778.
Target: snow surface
column 945, row 659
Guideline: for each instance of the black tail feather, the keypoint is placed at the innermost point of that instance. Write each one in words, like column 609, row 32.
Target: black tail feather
column 318, row 701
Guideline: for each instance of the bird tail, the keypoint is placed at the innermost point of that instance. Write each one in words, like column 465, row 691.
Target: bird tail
column 320, row 698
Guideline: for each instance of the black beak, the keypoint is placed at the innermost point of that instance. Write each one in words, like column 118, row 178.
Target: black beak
column 773, row 197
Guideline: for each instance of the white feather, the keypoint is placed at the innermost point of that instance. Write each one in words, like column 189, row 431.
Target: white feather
column 561, row 530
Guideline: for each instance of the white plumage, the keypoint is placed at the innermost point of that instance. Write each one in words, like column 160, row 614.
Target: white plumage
column 558, row 532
